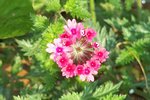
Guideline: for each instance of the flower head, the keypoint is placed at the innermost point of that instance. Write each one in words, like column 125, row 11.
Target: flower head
column 75, row 53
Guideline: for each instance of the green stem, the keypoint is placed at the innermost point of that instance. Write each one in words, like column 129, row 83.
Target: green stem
column 92, row 9
column 142, row 68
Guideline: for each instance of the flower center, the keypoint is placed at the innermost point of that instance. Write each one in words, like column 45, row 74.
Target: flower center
column 59, row 49
column 87, row 71
column 73, row 31
column 82, row 51
column 93, row 64
column 100, row 54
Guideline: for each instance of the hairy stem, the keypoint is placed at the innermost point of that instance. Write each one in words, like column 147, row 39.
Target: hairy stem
column 92, row 9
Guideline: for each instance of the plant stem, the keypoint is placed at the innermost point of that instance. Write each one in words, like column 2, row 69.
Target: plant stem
column 142, row 68
column 122, row 43
column 92, row 9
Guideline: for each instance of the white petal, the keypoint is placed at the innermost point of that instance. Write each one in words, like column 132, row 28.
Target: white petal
column 82, row 77
column 67, row 29
column 90, row 78
column 57, row 41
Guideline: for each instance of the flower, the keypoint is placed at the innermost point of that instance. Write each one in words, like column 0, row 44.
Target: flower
column 87, row 75
column 75, row 53
column 68, row 70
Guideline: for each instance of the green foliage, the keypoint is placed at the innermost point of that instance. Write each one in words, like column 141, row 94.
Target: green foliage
column 77, row 8
column 114, row 97
column 53, row 5
column 27, row 72
column 15, row 18
column 2, row 98
column 40, row 23
column 133, row 51
column 26, row 47
column 116, row 3
column 106, row 89
column 128, row 4
column 104, row 92
column 117, row 23
column 72, row 96
column 29, row 97
column 126, row 56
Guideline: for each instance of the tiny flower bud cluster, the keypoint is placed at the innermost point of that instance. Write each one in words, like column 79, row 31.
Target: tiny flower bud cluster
column 75, row 53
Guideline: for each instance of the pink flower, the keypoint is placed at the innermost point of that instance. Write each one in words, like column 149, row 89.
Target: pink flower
column 65, row 35
column 102, row 54
column 90, row 34
column 96, row 45
column 75, row 53
column 67, row 42
column 94, row 65
column 87, row 75
column 74, row 28
column 79, row 69
column 62, row 61
column 68, row 71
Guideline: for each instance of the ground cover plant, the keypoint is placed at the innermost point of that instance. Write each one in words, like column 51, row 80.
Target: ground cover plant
column 74, row 49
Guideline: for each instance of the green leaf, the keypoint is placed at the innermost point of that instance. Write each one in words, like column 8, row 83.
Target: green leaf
column 126, row 56
column 128, row 4
column 71, row 96
column 29, row 97
column 53, row 5
column 103, row 36
column 77, row 8
column 135, row 50
column 114, row 97
column 27, row 47
column 106, row 89
column 141, row 44
column 15, row 18
column 40, row 23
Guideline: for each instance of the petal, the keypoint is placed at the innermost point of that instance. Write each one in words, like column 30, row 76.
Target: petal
column 67, row 29
column 57, row 41
column 52, row 56
column 82, row 77
column 90, row 78
column 51, row 48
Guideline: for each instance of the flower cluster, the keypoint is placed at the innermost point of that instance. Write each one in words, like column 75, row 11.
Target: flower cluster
column 75, row 53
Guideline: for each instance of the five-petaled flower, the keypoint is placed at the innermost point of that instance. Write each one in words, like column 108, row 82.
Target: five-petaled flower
column 75, row 53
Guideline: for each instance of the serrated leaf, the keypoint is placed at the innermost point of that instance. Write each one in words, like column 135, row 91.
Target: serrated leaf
column 27, row 47
column 71, row 96
column 114, row 97
column 53, row 5
column 77, row 8
column 125, row 57
column 106, row 89
column 40, row 23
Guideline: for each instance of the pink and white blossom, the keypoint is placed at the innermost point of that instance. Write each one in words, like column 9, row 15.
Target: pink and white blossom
column 75, row 53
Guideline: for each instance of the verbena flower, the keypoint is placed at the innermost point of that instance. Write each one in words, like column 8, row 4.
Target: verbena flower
column 75, row 53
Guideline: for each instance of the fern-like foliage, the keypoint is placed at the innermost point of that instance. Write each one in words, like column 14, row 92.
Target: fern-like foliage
column 52, row 5
column 77, row 8
column 141, row 44
column 128, row 55
column 27, row 47
column 29, row 97
column 71, row 96
column 106, row 89
column 114, row 97
column 104, row 92
column 40, row 23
